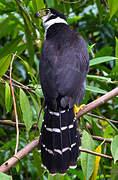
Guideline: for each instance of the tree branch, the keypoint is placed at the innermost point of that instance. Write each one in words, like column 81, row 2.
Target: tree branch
column 13, row 124
column 95, row 153
column 18, row 156
column 97, row 102
column 22, row 125
column 101, row 118
column 23, row 152
column 27, row 149
column 18, row 84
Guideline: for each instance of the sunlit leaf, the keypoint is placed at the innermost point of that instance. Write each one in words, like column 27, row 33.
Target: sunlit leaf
column 101, row 60
column 99, row 78
column 95, row 89
column 87, row 160
column 26, row 110
column 113, row 6
column 56, row 177
column 8, row 99
column 116, row 51
column 4, row 64
column 114, row 148
column 5, row 176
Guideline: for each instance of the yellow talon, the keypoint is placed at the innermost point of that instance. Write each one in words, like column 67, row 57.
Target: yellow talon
column 77, row 109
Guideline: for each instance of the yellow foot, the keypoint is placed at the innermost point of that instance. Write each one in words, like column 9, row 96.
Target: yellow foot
column 77, row 109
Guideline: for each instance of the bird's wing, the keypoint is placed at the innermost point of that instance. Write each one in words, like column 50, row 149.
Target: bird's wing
column 63, row 70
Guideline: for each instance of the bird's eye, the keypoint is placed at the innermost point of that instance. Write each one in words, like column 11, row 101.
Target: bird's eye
column 47, row 12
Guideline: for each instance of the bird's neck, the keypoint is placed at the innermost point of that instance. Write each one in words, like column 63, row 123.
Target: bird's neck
column 51, row 22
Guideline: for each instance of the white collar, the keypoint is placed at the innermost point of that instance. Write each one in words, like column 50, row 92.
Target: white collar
column 49, row 23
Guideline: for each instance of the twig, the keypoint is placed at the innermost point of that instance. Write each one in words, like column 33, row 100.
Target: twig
column 97, row 102
column 13, row 124
column 23, row 152
column 99, row 117
column 106, row 140
column 18, row 156
column 22, row 125
column 72, row 2
column 27, row 149
column 19, row 84
column 14, row 104
column 95, row 153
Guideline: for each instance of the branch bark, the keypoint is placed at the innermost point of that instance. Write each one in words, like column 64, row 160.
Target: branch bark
column 23, row 152
column 95, row 153
column 27, row 149
column 98, row 102
column 18, row 156
column 101, row 118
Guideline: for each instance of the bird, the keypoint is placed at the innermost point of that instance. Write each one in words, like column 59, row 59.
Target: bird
column 64, row 64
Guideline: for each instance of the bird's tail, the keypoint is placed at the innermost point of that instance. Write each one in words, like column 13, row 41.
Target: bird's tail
column 60, row 141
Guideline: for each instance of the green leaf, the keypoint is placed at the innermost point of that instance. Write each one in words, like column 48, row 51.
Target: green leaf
column 4, row 64
column 8, row 99
column 73, row 19
column 5, row 177
column 106, row 51
column 37, row 108
column 116, row 51
column 50, row 3
column 87, row 160
column 114, row 148
column 99, row 78
column 38, row 163
column 56, row 177
column 26, row 110
column 113, row 6
column 11, row 46
column 109, row 132
column 39, row 92
column 30, row 45
column 95, row 89
column 101, row 60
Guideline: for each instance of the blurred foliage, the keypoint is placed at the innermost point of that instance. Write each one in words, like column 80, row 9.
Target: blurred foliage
column 97, row 22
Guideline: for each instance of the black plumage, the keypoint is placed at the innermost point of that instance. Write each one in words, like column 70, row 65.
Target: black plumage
column 64, row 63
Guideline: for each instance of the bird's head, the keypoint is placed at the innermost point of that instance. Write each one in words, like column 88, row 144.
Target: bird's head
column 50, row 16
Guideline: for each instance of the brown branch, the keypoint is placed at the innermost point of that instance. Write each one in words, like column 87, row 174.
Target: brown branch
column 18, row 156
column 27, row 149
column 106, row 140
column 14, row 104
column 95, row 153
column 18, row 84
column 22, row 125
column 101, row 118
column 23, row 152
column 72, row 2
column 13, row 124
column 97, row 102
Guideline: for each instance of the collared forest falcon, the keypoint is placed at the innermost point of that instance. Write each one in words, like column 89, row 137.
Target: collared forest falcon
column 64, row 63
